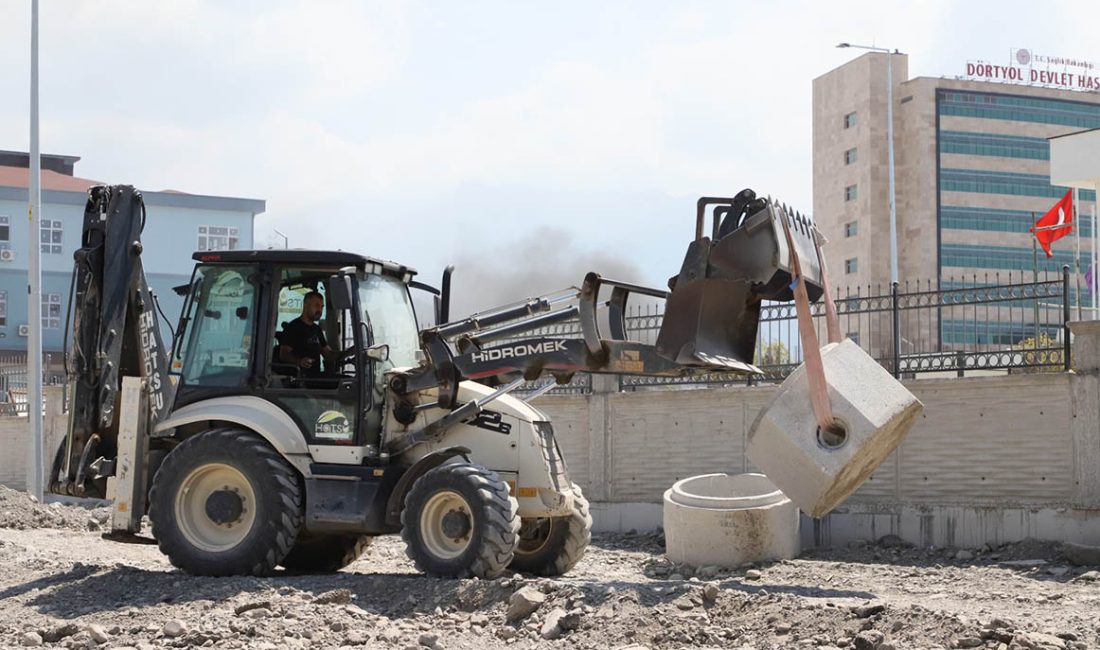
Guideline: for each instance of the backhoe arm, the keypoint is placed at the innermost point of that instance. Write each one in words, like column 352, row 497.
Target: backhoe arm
column 115, row 334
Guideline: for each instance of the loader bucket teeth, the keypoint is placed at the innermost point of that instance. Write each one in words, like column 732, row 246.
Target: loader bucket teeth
column 713, row 312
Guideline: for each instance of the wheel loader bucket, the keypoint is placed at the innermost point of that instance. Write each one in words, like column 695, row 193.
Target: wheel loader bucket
column 712, row 314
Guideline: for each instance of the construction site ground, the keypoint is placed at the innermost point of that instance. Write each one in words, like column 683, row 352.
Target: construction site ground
column 63, row 586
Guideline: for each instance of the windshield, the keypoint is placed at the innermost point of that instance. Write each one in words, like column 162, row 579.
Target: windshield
column 388, row 311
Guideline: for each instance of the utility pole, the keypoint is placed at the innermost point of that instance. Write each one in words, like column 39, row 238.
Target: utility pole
column 34, row 284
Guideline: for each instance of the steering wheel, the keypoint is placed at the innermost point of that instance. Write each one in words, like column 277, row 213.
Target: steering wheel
column 291, row 373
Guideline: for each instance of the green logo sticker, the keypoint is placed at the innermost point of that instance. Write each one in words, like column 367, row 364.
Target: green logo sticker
column 332, row 424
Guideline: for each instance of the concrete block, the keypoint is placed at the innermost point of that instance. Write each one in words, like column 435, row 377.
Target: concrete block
column 819, row 471
column 724, row 520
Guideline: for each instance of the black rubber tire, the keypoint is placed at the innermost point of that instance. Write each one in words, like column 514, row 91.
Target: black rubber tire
column 562, row 543
column 317, row 553
column 493, row 531
column 278, row 507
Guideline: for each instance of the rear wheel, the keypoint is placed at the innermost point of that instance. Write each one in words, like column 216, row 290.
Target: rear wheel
column 325, row 553
column 551, row 546
column 459, row 521
column 225, row 503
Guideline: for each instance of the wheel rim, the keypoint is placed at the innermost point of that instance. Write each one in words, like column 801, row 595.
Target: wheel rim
column 534, row 535
column 215, row 507
column 446, row 525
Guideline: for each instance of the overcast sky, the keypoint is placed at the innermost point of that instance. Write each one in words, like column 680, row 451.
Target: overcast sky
column 525, row 134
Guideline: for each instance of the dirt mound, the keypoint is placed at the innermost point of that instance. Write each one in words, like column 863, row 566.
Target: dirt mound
column 22, row 511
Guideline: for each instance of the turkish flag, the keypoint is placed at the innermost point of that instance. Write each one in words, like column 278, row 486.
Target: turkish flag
column 1047, row 229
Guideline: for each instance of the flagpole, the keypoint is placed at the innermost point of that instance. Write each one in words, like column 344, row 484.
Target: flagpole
column 1035, row 279
column 1095, row 257
column 1077, row 254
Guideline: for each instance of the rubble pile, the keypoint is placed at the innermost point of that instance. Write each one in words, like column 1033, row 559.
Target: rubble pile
column 23, row 511
column 62, row 588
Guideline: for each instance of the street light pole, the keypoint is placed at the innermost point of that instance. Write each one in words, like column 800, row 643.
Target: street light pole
column 286, row 240
column 890, row 150
column 35, row 451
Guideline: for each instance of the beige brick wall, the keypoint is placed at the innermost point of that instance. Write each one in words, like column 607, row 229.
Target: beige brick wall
column 14, row 440
column 1006, row 440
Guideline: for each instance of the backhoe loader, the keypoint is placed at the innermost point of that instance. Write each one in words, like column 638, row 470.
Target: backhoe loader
column 244, row 462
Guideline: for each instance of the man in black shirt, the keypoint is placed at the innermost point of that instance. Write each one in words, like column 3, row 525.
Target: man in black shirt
column 302, row 343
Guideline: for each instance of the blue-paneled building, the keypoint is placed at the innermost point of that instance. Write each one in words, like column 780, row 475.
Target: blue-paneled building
column 178, row 224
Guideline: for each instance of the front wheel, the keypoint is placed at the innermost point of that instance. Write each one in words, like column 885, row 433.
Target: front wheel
column 459, row 522
column 225, row 503
column 551, row 546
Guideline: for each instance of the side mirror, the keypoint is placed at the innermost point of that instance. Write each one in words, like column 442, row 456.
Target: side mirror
column 339, row 290
column 380, row 353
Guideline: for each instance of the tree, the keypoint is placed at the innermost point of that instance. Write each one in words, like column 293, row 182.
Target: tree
column 774, row 354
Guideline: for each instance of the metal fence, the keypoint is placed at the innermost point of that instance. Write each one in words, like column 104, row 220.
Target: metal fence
column 1007, row 323
column 13, row 381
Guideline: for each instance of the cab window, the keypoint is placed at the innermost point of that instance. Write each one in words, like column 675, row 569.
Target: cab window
column 214, row 349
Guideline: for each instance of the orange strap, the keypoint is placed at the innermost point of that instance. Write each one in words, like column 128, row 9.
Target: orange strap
column 832, row 323
column 811, row 350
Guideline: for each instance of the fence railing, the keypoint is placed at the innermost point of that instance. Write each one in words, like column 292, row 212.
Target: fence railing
column 1008, row 323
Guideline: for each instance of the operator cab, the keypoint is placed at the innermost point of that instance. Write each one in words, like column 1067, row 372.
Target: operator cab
column 238, row 309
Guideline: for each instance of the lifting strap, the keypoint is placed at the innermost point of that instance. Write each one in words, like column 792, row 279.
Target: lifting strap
column 811, row 350
column 832, row 323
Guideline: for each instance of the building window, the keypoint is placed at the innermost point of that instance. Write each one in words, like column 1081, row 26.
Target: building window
column 1019, row 109
column 1016, row 258
column 850, row 193
column 849, row 156
column 850, row 120
column 51, row 311
column 50, row 236
column 994, row 144
column 995, row 220
column 218, row 238
column 851, row 266
column 5, row 229
column 3, row 308
column 851, row 229
column 1011, row 183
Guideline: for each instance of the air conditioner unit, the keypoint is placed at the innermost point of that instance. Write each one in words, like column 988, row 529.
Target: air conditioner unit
column 7, row 255
column 24, row 330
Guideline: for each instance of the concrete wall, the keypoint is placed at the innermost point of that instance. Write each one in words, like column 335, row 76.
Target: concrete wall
column 992, row 459
column 14, row 442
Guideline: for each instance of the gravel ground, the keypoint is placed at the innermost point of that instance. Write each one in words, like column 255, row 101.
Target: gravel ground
column 63, row 586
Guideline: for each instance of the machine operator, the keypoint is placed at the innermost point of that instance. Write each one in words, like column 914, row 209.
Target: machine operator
column 302, row 342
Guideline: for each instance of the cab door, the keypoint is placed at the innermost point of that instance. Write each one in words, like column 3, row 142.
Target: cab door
column 327, row 408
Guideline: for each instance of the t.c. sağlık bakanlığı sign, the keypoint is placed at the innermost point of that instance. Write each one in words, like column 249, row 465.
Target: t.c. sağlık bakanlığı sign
column 1026, row 67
